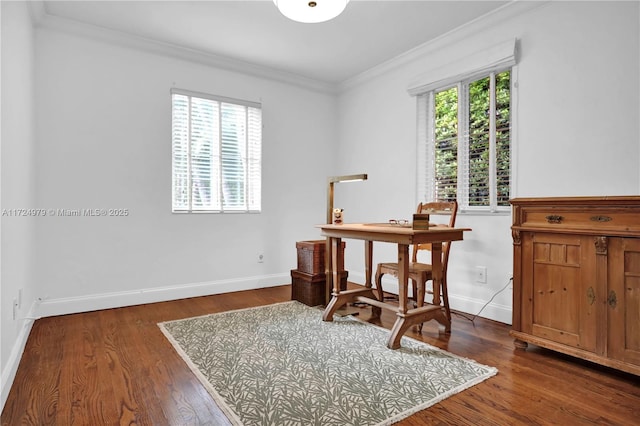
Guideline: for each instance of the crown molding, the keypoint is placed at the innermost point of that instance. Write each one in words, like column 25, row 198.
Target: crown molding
column 470, row 29
column 37, row 11
column 42, row 19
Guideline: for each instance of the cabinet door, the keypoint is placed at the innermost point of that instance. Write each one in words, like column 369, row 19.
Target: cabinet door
column 559, row 289
column 624, row 300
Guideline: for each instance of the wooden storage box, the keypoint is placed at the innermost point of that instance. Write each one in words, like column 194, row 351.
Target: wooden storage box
column 310, row 288
column 311, row 256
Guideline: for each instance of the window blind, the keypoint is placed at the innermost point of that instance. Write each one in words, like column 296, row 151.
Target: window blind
column 425, row 157
column 217, row 148
column 464, row 129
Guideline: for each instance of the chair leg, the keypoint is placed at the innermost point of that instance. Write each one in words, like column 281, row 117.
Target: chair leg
column 445, row 298
column 376, row 311
column 420, row 294
column 421, row 288
column 414, row 284
column 379, row 275
column 379, row 284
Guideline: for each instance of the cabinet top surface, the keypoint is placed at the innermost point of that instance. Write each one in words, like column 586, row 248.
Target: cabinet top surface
column 630, row 200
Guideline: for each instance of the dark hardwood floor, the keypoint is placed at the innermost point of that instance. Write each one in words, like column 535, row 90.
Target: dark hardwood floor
column 115, row 367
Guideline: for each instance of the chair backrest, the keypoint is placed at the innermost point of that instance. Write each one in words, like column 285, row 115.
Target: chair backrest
column 439, row 209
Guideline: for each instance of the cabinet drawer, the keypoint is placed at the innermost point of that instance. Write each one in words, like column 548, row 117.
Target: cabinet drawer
column 571, row 219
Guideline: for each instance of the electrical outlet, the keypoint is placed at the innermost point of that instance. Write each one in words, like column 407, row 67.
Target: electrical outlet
column 481, row 274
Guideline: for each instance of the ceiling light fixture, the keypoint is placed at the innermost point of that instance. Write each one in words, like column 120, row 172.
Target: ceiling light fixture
column 311, row 11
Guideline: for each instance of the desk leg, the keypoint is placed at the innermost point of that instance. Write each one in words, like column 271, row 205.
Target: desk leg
column 436, row 270
column 418, row 316
column 401, row 325
column 337, row 265
column 399, row 328
column 328, row 272
column 436, row 262
column 403, row 277
column 406, row 319
column 368, row 262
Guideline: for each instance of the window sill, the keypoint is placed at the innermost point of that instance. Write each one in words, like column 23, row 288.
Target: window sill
column 484, row 213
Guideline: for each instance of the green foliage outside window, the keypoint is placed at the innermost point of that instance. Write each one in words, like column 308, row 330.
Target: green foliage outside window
column 447, row 131
column 446, row 141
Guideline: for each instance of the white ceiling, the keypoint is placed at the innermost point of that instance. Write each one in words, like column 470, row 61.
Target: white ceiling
column 368, row 33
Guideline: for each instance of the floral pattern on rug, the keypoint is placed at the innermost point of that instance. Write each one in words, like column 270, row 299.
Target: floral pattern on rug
column 282, row 365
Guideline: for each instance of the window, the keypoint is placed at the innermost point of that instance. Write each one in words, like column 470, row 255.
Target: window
column 217, row 148
column 465, row 118
column 465, row 143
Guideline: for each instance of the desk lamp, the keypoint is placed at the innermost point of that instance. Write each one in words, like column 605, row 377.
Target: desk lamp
column 327, row 252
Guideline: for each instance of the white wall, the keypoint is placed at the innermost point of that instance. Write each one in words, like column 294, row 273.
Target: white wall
column 103, row 141
column 576, row 130
column 17, row 180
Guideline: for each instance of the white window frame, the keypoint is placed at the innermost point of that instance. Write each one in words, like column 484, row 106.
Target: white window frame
column 252, row 183
column 461, row 73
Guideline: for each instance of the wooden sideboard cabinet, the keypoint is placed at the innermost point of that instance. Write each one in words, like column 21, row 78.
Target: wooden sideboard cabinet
column 576, row 277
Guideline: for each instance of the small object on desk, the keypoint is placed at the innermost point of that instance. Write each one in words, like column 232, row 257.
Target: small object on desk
column 420, row 221
column 337, row 216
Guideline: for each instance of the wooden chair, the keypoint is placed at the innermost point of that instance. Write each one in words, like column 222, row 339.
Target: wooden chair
column 420, row 273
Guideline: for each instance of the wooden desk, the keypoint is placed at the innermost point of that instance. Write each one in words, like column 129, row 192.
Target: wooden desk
column 403, row 237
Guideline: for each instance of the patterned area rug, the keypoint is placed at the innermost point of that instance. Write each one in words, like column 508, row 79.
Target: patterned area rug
column 282, row 365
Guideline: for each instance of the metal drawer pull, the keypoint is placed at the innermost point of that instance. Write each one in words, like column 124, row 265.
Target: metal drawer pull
column 553, row 218
column 601, row 218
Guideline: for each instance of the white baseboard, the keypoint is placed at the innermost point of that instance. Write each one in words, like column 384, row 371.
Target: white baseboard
column 11, row 366
column 493, row 311
column 94, row 302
